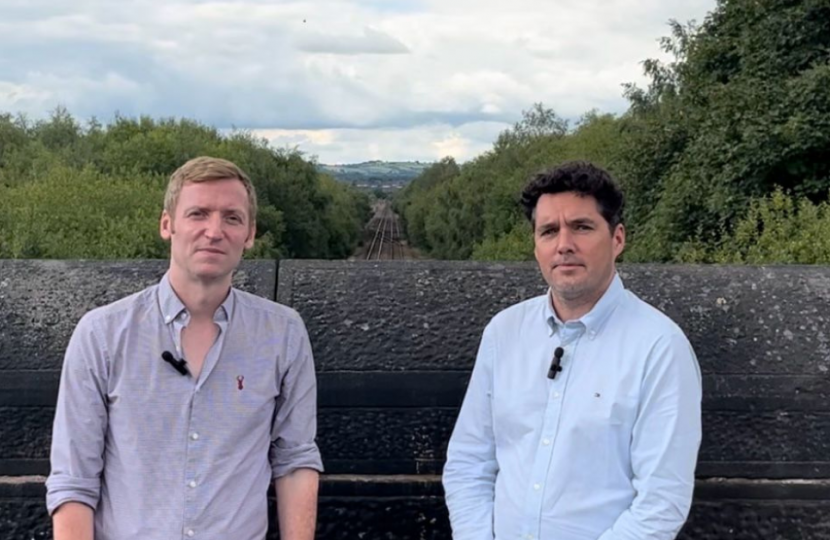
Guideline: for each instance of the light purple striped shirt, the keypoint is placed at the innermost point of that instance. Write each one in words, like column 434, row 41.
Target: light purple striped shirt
column 161, row 455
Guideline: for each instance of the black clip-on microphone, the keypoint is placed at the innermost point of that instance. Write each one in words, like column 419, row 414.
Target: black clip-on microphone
column 180, row 365
column 554, row 365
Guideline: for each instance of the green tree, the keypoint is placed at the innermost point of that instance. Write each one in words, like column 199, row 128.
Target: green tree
column 81, row 214
column 744, row 108
column 457, row 212
column 96, row 191
column 777, row 229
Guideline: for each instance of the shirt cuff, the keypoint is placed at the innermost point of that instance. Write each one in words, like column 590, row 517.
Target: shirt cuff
column 286, row 460
column 63, row 489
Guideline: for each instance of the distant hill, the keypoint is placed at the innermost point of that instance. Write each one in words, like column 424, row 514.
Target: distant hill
column 386, row 175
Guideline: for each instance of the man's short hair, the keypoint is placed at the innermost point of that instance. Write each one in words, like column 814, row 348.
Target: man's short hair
column 208, row 169
column 579, row 177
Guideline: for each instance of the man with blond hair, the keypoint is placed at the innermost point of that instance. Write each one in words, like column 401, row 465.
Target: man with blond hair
column 180, row 403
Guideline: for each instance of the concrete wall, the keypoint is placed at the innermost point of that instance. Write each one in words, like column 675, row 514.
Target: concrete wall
column 394, row 343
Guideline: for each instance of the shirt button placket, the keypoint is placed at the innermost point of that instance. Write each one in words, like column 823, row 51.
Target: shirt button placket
column 191, row 474
column 541, row 461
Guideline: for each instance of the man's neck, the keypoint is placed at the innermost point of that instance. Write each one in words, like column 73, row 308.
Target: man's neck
column 571, row 309
column 201, row 298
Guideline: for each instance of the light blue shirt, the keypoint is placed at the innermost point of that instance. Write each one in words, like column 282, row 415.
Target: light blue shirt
column 159, row 455
column 606, row 450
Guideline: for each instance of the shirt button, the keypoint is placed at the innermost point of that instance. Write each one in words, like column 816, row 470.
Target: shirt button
column 190, row 532
column 194, row 436
column 556, row 394
column 546, row 442
column 537, row 487
column 192, row 483
column 529, row 537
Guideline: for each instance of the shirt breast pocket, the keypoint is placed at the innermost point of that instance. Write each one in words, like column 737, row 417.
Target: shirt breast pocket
column 603, row 412
column 246, row 387
column 602, row 435
column 251, row 395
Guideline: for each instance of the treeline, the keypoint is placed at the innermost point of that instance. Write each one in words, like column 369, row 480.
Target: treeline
column 725, row 157
column 95, row 191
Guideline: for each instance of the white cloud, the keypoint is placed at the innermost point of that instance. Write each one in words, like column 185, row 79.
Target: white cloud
column 19, row 97
column 417, row 71
column 370, row 42
column 417, row 143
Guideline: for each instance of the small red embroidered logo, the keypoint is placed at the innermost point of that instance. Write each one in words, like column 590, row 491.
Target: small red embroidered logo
column 239, row 379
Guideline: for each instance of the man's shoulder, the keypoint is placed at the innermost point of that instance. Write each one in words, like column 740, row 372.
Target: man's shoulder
column 519, row 313
column 123, row 308
column 263, row 306
column 647, row 318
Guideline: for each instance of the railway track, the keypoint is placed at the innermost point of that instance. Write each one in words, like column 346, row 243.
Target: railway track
column 386, row 235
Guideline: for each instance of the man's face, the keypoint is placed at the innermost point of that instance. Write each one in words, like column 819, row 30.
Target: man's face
column 575, row 248
column 209, row 230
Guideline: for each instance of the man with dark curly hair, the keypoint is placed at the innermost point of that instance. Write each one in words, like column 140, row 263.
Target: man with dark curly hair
column 582, row 417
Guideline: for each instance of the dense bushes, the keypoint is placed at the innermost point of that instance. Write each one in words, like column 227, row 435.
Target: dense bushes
column 68, row 191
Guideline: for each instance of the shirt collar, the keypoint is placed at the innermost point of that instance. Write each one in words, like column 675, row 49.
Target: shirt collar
column 594, row 319
column 172, row 307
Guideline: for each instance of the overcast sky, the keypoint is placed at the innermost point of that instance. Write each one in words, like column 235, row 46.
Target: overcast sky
column 345, row 81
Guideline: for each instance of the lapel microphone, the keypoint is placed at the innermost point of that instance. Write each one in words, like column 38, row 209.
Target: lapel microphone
column 179, row 365
column 555, row 366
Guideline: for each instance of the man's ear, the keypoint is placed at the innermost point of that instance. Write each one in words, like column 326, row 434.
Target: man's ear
column 166, row 225
column 618, row 240
column 249, row 242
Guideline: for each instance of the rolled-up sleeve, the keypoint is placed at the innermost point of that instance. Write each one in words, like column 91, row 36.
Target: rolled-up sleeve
column 80, row 424
column 294, row 429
